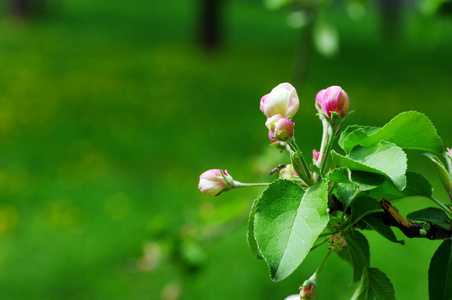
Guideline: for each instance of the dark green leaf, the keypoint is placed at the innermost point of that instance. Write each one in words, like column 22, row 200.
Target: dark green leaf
column 363, row 180
column 375, row 221
column 346, row 193
column 431, row 214
column 384, row 158
column 363, row 206
column 374, row 285
column 287, row 222
column 440, row 273
column 417, row 185
column 250, row 233
column 356, row 253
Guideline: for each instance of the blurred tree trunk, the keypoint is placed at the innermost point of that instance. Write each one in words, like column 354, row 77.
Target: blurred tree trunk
column 25, row 9
column 210, row 23
column 20, row 8
column 391, row 13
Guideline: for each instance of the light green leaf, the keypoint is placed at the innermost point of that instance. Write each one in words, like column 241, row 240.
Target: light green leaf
column 417, row 185
column 408, row 130
column 433, row 215
column 374, row 285
column 287, row 222
column 375, row 222
column 384, row 158
column 353, row 134
column 440, row 272
column 356, row 253
column 441, row 171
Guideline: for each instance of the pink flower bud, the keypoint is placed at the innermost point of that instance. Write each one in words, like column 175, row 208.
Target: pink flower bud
column 281, row 127
column 282, row 100
column 337, row 242
column 215, row 181
column 288, row 173
column 332, row 99
column 316, row 155
column 308, row 292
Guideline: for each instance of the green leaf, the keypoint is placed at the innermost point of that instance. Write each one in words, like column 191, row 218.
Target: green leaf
column 356, row 253
column 363, row 180
column 250, row 233
column 374, row 285
column 384, row 158
column 440, row 272
column 441, row 171
column 287, row 222
column 417, row 185
column 353, row 134
column 346, row 193
column 433, row 215
column 408, row 130
column 375, row 221
column 363, row 206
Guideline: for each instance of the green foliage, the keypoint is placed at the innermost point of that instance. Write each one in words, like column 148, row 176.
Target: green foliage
column 374, row 285
column 440, row 272
column 375, row 222
column 357, row 254
column 432, row 215
column 408, row 130
column 384, row 158
column 287, row 222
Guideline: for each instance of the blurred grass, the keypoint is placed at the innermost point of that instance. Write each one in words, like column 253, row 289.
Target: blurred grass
column 109, row 113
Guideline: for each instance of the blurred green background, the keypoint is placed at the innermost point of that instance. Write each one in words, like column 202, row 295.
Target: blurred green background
column 110, row 111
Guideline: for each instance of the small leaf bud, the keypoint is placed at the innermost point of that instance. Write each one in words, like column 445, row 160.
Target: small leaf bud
column 282, row 100
column 337, row 242
column 281, row 127
column 332, row 99
column 215, row 181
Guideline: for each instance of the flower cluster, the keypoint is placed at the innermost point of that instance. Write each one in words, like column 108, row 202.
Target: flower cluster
column 280, row 106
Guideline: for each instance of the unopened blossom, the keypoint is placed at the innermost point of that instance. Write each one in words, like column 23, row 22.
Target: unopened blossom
column 293, row 297
column 308, row 292
column 281, row 127
column 270, row 136
column 337, row 242
column 316, row 155
column 282, row 100
column 332, row 99
column 213, row 182
column 288, row 172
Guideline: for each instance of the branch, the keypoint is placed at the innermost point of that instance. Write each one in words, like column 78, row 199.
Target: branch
column 409, row 228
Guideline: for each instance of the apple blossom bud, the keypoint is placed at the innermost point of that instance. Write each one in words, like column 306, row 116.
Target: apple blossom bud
column 281, row 127
column 215, row 181
column 270, row 136
column 288, row 173
column 308, row 292
column 282, row 100
column 316, row 155
column 293, row 297
column 337, row 242
column 332, row 99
